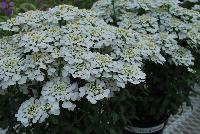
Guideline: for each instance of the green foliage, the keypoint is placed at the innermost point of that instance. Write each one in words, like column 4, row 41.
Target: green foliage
column 25, row 5
column 8, row 107
column 87, row 119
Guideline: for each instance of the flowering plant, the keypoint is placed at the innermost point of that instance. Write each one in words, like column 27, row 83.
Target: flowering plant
column 174, row 29
column 7, row 7
column 164, row 20
column 68, row 54
column 65, row 55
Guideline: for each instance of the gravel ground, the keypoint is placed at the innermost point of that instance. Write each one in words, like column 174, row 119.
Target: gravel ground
column 188, row 122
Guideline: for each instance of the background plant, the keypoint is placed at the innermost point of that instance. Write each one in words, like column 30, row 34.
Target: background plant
column 167, row 86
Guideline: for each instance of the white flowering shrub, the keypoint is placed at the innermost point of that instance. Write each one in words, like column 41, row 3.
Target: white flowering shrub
column 66, row 54
column 171, row 27
column 168, row 22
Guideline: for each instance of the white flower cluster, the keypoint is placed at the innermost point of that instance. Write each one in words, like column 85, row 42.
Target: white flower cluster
column 61, row 90
column 108, row 8
column 95, row 91
column 69, row 53
column 34, row 110
column 196, row 7
column 166, row 21
column 3, row 131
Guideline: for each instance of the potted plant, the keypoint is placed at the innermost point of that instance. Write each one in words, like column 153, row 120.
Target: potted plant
column 69, row 62
column 174, row 29
column 56, row 59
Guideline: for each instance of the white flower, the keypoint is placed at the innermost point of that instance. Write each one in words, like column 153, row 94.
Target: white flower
column 11, row 71
column 146, row 4
column 103, row 62
column 111, row 84
column 156, row 18
column 51, row 108
column 71, row 39
column 182, row 56
column 184, row 13
column 75, row 54
column 11, row 25
column 128, row 73
column 30, row 19
column 83, row 70
column 99, row 36
column 3, row 131
column 196, row 7
column 65, row 12
column 37, row 61
column 194, row 34
column 105, row 7
column 131, row 55
column 94, row 91
column 143, row 23
column 149, row 50
column 31, row 111
column 36, row 110
column 60, row 89
column 55, row 52
column 35, row 41
column 8, row 46
column 68, row 105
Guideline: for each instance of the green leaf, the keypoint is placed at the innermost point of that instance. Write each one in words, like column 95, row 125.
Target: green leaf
column 112, row 131
column 76, row 131
column 27, row 6
column 115, row 117
column 54, row 120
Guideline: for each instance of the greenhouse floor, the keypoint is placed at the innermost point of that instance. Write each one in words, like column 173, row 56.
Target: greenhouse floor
column 188, row 122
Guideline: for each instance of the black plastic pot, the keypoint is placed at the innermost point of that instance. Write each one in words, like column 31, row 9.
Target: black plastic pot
column 141, row 127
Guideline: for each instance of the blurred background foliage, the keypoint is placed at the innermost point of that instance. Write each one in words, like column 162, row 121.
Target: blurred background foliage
column 25, row 5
